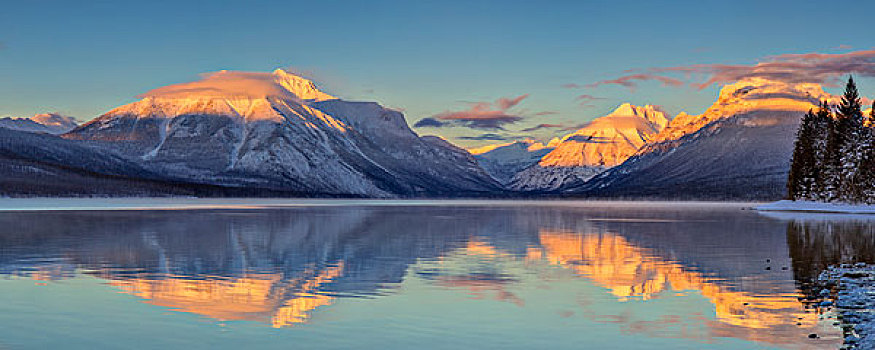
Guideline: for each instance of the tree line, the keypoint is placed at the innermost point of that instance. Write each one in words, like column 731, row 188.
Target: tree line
column 834, row 154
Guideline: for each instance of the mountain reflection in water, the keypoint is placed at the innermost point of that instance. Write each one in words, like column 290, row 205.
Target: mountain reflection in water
column 283, row 266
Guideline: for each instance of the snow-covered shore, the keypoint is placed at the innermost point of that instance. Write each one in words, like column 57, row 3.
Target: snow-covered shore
column 853, row 287
column 818, row 207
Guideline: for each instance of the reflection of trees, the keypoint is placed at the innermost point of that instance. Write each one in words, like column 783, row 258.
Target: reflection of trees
column 627, row 271
column 817, row 244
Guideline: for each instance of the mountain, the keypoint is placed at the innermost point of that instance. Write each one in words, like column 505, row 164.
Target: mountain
column 739, row 148
column 50, row 123
column 504, row 160
column 279, row 131
column 601, row 144
column 39, row 164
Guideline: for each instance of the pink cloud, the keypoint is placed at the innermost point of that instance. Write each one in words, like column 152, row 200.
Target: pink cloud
column 542, row 126
column 587, row 99
column 506, row 103
column 631, row 81
column 546, row 113
column 225, row 83
column 819, row 68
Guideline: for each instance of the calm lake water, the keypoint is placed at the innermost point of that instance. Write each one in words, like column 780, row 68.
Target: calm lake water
column 415, row 274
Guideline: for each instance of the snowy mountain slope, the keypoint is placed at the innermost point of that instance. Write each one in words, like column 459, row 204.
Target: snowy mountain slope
column 603, row 143
column 44, row 165
column 505, row 160
column 50, row 123
column 739, row 148
column 277, row 130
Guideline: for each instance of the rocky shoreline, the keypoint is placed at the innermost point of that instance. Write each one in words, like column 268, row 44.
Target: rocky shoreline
column 850, row 290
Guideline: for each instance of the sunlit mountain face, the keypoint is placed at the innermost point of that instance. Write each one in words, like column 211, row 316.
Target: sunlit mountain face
column 639, row 269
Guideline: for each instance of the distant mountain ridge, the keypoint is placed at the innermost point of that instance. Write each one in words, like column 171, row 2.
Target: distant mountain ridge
column 251, row 133
column 50, row 123
column 505, row 160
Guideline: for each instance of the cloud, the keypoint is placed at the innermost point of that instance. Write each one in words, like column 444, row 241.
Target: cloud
column 225, row 83
column 488, row 137
column 429, row 122
column 481, row 115
column 844, row 47
column 542, row 126
column 571, row 86
column 818, row 68
column 546, row 113
column 631, row 81
column 586, row 99
column 506, row 103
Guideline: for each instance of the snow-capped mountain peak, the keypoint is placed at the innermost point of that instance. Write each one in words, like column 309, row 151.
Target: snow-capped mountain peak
column 608, row 140
column 746, row 96
column 602, row 143
column 300, row 87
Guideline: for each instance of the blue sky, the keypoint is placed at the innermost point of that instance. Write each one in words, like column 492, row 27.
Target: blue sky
column 424, row 57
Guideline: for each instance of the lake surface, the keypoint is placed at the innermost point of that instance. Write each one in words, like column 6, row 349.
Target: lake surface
column 323, row 274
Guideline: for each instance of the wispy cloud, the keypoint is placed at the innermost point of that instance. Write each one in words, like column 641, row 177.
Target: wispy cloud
column 546, row 113
column 505, row 103
column 819, row 68
column 542, row 126
column 225, row 83
column 481, row 115
column 429, row 122
column 571, row 86
column 586, row 100
column 631, row 81
column 489, row 137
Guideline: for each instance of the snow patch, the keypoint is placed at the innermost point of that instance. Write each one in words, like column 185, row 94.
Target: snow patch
column 821, row 207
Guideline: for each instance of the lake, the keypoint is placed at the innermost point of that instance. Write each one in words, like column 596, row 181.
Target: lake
column 340, row 274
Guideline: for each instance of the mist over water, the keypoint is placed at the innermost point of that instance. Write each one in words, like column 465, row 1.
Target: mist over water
column 422, row 274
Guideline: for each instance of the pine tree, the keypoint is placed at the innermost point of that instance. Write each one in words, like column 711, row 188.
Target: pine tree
column 867, row 166
column 823, row 126
column 850, row 129
column 803, row 175
column 831, row 159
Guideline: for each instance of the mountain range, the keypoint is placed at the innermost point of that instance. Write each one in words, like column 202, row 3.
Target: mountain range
column 49, row 123
column 277, row 134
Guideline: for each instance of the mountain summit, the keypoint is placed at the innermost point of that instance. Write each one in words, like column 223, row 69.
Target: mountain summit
column 278, row 131
column 601, row 144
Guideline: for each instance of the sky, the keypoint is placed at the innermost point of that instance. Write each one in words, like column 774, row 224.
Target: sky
column 513, row 65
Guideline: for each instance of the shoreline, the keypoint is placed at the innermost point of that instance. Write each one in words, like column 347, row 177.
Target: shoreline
column 817, row 207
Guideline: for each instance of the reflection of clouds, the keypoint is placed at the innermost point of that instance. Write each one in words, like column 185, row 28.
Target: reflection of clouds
column 479, row 286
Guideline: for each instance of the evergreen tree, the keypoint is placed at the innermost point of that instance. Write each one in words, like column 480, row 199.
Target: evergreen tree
column 823, row 126
column 803, row 168
column 851, row 132
column 867, row 166
column 831, row 156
